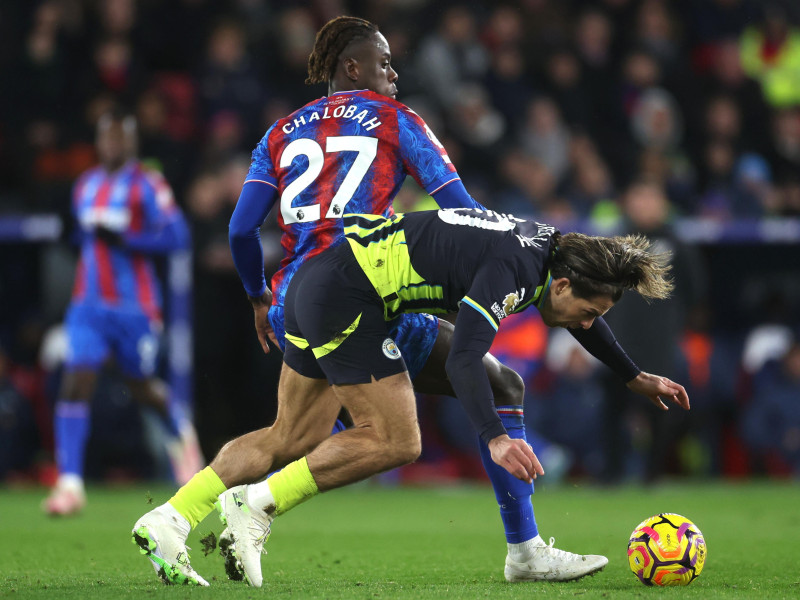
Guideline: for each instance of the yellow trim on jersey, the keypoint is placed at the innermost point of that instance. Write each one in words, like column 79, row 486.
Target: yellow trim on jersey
column 422, row 291
column 382, row 252
column 326, row 349
column 480, row 309
column 538, row 296
column 541, row 291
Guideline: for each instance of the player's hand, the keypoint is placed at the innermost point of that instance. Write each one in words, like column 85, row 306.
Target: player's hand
column 109, row 236
column 516, row 457
column 263, row 328
column 656, row 387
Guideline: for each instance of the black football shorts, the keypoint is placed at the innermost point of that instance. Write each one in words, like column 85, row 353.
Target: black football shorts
column 335, row 326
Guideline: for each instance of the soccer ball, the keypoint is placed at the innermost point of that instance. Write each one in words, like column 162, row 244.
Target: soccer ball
column 666, row 549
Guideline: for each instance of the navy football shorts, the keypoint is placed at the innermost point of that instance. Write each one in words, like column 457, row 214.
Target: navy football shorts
column 335, row 326
column 413, row 333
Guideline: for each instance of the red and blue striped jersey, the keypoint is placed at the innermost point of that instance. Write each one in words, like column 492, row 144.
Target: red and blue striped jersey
column 132, row 200
column 345, row 153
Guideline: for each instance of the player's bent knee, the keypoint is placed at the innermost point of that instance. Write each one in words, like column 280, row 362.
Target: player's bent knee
column 508, row 388
column 302, row 437
column 78, row 385
column 404, row 451
column 412, row 451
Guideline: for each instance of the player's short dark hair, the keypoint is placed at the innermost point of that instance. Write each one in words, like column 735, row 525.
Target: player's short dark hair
column 607, row 266
column 334, row 37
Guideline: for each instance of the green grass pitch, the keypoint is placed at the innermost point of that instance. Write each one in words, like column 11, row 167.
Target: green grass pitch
column 370, row 542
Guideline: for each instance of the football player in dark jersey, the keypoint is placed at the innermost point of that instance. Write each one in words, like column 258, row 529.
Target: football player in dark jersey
column 338, row 310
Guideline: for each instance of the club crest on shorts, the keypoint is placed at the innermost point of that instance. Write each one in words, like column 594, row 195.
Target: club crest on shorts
column 390, row 349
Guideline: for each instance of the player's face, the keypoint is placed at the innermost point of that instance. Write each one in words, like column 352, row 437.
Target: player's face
column 115, row 144
column 562, row 308
column 375, row 67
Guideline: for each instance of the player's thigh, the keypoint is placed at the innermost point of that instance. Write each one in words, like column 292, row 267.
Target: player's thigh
column 507, row 386
column 307, row 409
column 87, row 338
column 387, row 407
column 136, row 343
column 78, row 384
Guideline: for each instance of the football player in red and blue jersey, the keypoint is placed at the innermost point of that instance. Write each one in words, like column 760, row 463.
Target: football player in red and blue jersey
column 349, row 152
column 125, row 213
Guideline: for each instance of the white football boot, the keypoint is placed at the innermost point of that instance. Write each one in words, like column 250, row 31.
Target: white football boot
column 242, row 542
column 546, row 563
column 227, row 549
column 161, row 536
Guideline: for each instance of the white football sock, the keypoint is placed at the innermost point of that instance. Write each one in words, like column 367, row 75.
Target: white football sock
column 260, row 496
column 523, row 551
column 70, row 481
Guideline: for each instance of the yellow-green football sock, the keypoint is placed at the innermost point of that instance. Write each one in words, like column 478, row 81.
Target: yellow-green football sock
column 196, row 499
column 292, row 486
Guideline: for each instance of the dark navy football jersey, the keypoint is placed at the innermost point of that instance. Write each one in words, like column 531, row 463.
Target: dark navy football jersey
column 435, row 261
column 432, row 261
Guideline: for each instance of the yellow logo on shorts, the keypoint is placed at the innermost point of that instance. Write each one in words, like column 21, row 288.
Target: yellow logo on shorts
column 390, row 349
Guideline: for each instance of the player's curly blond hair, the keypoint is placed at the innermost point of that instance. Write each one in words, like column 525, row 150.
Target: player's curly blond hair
column 607, row 266
column 334, row 37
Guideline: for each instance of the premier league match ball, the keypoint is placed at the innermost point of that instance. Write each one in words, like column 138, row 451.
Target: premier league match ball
column 666, row 549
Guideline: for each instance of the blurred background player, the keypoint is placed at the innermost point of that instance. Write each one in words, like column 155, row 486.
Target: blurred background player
column 125, row 213
column 350, row 152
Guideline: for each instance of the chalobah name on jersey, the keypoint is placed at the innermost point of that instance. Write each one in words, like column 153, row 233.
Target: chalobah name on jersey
column 343, row 111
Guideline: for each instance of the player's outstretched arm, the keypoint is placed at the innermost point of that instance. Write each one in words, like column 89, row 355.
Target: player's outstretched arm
column 655, row 387
column 600, row 342
column 471, row 341
column 264, row 331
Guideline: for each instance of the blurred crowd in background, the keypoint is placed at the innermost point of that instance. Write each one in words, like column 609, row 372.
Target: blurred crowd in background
column 617, row 115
